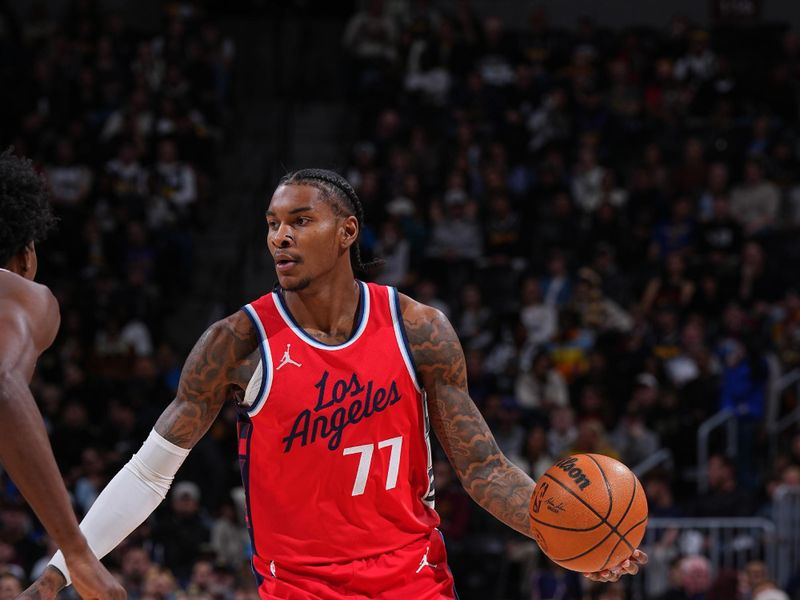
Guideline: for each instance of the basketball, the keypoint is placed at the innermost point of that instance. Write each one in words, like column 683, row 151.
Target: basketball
column 588, row 512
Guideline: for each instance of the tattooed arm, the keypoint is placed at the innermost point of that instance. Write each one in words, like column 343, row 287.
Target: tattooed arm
column 217, row 369
column 489, row 477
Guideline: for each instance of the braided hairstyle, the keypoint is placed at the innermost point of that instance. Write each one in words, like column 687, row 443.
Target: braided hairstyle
column 25, row 214
column 343, row 199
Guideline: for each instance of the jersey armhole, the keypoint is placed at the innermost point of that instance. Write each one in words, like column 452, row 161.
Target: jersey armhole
column 264, row 368
column 402, row 338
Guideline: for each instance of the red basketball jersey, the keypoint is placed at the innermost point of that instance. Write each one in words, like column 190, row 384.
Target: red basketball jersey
column 334, row 449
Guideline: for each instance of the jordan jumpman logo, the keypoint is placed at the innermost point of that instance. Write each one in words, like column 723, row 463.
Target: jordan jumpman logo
column 287, row 360
column 424, row 562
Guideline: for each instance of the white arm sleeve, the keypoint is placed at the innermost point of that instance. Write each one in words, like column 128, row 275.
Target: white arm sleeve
column 129, row 498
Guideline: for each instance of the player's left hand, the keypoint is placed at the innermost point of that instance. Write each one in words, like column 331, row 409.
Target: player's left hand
column 630, row 566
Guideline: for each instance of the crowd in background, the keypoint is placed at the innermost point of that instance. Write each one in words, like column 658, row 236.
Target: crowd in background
column 605, row 216
column 125, row 126
column 607, row 219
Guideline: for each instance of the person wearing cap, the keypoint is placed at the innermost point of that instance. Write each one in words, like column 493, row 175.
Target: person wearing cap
column 184, row 531
column 597, row 311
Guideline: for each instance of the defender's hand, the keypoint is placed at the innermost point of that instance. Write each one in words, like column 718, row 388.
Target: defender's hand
column 91, row 580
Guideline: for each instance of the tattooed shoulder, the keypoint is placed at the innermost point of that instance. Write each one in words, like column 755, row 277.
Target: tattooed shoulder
column 434, row 344
column 215, row 370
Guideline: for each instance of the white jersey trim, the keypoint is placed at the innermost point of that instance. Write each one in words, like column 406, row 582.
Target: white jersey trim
column 400, row 336
column 287, row 317
column 260, row 383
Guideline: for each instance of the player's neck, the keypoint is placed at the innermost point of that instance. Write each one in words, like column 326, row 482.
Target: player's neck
column 326, row 306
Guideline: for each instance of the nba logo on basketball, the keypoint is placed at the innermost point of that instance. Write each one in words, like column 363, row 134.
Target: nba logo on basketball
column 541, row 488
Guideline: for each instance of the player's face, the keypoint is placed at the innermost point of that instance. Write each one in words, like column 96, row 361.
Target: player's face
column 304, row 235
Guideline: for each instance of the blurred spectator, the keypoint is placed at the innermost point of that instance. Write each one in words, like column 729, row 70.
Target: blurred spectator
column 136, row 565
column 570, row 346
column 475, row 323
column 539, row 386
column 672, row 289
column 632, row 438
column 370, row 38
column 755, row 575
column 535, row 458
column 229, row 539
column 538, row 318
column 183, row 532
column 10, row 586
column 556, row 284
column 553, row 582
column 756, row 202
column 597, row 312
column 562, row 432
column 719, row 239
column 92, row 480
column 660, row 497
column 770, row 592
column 724, row 497
column 757, row 282
column 128, row 177
column 175, row 181
column 676, row 234
column 456, row 240
column 70, row 182
column 694, row 580
column 592, row 439
column 159, row 583
column 587, row 180
column 17, row 530
column 699, row 63
column 395, row 251
column 501, row 415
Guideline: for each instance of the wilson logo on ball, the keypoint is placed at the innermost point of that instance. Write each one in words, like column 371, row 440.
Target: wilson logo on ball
column 575, row 473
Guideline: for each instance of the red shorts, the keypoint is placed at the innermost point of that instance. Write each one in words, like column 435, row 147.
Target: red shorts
column 418, row 571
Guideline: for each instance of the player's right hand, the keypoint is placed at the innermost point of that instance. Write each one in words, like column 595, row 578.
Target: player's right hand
column 629, row 566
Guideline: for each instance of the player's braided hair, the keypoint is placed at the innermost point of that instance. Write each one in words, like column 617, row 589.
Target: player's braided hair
column 25, row 214
column 344, row 202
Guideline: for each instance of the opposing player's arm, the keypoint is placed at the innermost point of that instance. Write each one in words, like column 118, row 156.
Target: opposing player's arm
column 489, row 477
column 29, row 320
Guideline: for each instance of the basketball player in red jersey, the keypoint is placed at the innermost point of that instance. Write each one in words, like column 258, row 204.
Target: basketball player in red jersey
column 29, row 320
column 336, row 380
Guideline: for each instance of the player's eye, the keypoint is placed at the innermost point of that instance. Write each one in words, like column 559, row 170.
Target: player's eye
column 272, row 225
column 303, row 221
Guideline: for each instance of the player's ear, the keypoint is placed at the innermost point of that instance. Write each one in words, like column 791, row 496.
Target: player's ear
column 348, row 231
column 25, row 263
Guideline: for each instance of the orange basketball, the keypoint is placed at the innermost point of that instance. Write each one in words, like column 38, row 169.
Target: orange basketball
column 588, row 512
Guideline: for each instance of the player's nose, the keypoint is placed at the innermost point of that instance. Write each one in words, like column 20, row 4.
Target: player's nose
column 283, row 237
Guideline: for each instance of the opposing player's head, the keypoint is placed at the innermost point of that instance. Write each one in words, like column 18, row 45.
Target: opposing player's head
column 25, row 214
column 313, row 223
